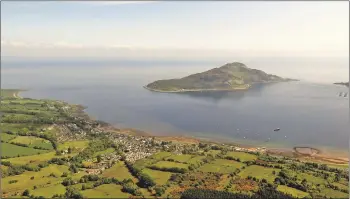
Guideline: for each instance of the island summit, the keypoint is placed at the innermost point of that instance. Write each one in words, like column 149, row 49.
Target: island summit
column 231, row 76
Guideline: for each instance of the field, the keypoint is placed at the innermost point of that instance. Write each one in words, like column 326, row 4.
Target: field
column 242, row 156
column 109, row 150
column 160, row 177
column 161, row 155
column 32, row 141
column 49, row 191
column 335, row 194
column 11, row 150
column 179, row 158
column 311, row 178
column 105, row 191
column 32, row 158
column 196, row 160
column 167, row 164
column 41, row 179
column 6, row 137
column 294, row 192
column 221, row 166
column 119, row 171
column 259, row 172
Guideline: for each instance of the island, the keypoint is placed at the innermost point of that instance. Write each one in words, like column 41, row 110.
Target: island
column 231, row 76
column 342, row 83
column 53, row 149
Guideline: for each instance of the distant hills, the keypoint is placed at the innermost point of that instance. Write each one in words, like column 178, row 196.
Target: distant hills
column 231, row 76
column 343, row 83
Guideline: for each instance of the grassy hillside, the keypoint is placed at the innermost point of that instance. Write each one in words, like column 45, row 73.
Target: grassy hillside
column 228, row 77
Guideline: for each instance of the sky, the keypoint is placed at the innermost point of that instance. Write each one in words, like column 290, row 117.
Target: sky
column 174, row 30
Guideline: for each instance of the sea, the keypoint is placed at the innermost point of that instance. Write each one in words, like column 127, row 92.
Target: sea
column 308, row 113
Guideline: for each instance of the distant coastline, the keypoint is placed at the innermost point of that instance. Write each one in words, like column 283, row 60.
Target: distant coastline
column 195, row 90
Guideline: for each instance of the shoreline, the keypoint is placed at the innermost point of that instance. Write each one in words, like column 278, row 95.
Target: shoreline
column 195, row 90
column 214, row 89
column 318, row 156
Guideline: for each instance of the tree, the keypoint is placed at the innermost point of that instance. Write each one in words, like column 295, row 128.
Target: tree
column 25, row 192
column 72, row 193
column 73, row 168
column 99, row 158
column 159, row 191
column 69, row 150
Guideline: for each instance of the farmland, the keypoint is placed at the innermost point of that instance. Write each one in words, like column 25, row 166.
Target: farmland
column 49, row 149
column 11, row 150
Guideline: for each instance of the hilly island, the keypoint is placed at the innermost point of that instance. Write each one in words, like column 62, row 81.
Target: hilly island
column 231, row 76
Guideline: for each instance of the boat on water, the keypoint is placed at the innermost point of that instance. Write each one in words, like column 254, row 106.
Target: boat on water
column 277, row 129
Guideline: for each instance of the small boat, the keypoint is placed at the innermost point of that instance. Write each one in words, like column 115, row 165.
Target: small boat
column 277, row 129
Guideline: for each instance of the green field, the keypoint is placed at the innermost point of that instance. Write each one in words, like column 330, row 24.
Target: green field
column 242, row 156
column 294, row 192
column 6, row 137
column 49, row 191
column 105, row 191
column 167, row 164
column 160, row 177
column 118, row 171
column 15, row 128
column 179, row 158
column 32, row 141
column 41, row 179
column 10, row 150
column 32, row 158
column 259, row 172
column 221, row 166
column 311, row 178
column 160, row 155
column 333, row 193
column 196, row 160
column 109, row 150
column 213, row 152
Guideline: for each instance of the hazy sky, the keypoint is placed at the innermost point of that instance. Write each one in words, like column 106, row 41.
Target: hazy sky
column 175, row 29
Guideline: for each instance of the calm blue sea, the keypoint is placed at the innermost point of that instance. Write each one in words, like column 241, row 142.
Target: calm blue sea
column 308, row 114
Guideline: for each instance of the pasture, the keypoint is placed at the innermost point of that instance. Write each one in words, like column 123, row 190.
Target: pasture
column 105, row 191
column 160, row 177
column 242, row 156
column 183, row 158
column 41, row 179
column 11, row 150
column 49, row 191
column 119, row 171
column 259, row 172
column 32, row 142
column 167, row 165
column 294, row 192
column 221, row 166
